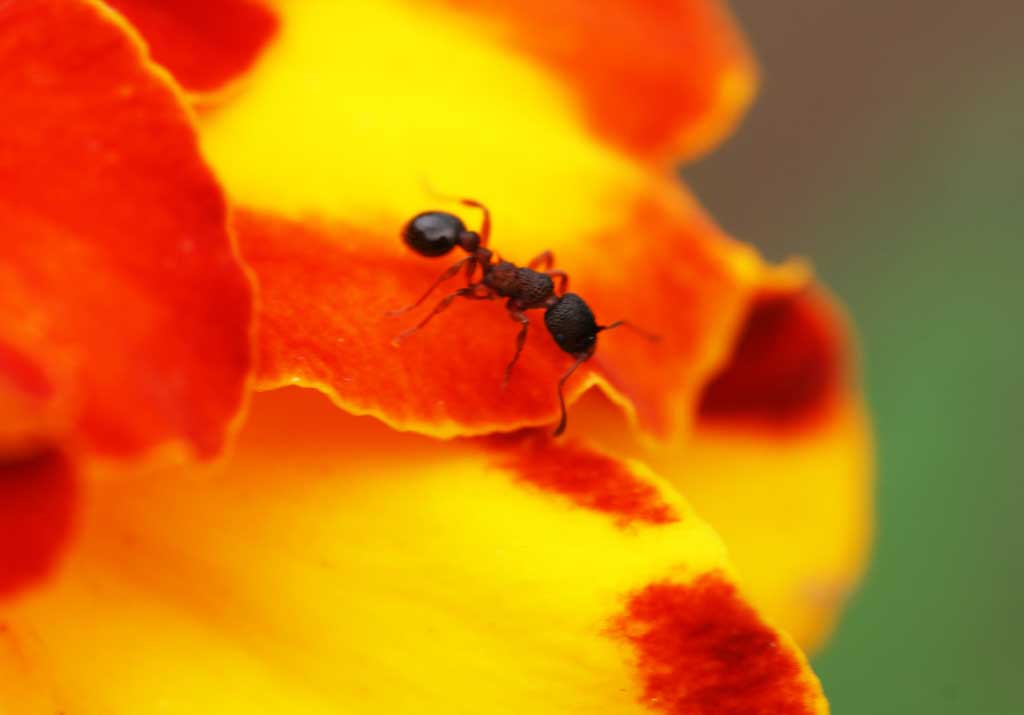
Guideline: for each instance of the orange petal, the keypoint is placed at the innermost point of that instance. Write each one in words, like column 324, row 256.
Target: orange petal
column 326, row 292
column 132, row 310
column 334, row 565
column 663, row 80
column 204, row 43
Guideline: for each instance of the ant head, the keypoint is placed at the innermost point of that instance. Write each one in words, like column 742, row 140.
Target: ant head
column 572, row 325
column 435, row 233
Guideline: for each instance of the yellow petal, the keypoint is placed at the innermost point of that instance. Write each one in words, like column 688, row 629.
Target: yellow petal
column 357, row 105
column 779, row 457
column 336, row 566
column 780, row 460
column 796, row 512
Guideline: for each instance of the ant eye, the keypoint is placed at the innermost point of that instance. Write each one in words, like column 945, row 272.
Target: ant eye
column 433, row 233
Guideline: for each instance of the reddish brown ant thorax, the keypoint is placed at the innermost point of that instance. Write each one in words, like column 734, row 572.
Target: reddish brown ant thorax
column 535, row 289
column 502, row 278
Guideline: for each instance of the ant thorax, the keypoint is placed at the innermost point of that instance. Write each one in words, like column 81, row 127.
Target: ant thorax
column 527, row 287
column 503, row 278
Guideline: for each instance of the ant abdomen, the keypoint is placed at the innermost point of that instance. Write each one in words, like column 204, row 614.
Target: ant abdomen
column 571, row 323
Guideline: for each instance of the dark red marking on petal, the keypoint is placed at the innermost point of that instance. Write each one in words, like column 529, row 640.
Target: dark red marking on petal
column 591, row 480
column 204, row 43
column 37, row 508
column 703, row 651
column 784, row 368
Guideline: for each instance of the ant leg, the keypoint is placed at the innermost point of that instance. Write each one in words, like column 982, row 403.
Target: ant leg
column 485, row 225
column 580, row 359
column 452, row 270
column 545, row 260
column 625, row 323
column 563, row 280
column 517, row 316
column 471, row 263
column 468, row 292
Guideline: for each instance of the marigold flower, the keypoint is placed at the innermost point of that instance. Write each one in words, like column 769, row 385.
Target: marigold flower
column 200, row 206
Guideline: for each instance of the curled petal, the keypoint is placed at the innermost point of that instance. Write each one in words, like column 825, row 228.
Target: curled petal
column 204, row 43
column 779, row 457
column 326, row 291
column 786, row 368
column 132, row 312
column 795, row 509
column 337, row 566
column 780, row 461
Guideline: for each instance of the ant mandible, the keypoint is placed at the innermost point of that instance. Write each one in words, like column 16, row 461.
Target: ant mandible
column 567, row 316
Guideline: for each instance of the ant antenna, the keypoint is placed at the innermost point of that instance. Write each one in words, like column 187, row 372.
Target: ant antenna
column 561, row 398
column 485, row 225
column 625, row 323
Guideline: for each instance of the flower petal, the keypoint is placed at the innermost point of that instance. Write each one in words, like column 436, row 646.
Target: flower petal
column 779, row 457
column 660, row 80
column 337, row 566
column 326, row 292
column 352, row 109
column 353, row 115
column 663, row 80
column 780, row 462
column 204, row 43
column 132, row 310
column 795, row 510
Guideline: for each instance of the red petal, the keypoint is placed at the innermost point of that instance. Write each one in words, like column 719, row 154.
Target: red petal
column 204, row 43
column 660, row 79
column 116, row 260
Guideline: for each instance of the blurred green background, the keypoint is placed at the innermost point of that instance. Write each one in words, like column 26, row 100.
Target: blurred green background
column 888, row 146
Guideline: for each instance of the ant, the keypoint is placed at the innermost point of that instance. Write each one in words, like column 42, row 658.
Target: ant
column 567, row 316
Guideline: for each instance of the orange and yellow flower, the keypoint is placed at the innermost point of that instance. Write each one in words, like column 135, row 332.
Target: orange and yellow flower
column 223, row 489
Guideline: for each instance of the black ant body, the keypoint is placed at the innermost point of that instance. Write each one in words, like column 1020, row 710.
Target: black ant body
column 567, row 316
